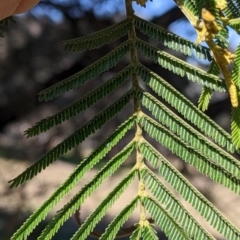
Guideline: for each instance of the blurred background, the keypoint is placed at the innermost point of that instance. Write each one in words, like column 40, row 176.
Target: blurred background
column 32, row 58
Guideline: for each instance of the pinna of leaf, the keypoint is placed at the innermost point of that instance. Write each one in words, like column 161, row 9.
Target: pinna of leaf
column 212, row 29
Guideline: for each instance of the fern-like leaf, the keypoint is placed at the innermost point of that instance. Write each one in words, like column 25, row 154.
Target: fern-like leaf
column 85, row 192
column 189, row 193
column 179, row 66
column 89, row 224
column 186, row 108
column 204, row 98
column 88, row 73
column 113, row 228
column 98, row 38
column 81, row 104
column 206, row 93
column 73, row 179
column 171, row 40
column 174, row 207
column 190, row 135
column 205, row 165
column 73, row 140
column 172, row 230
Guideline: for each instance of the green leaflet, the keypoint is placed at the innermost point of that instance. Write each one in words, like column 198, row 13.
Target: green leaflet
column 204, row 98
column 214, row 68
column 73, row 179
column 174, row 206
column 88, row 73
column 171, row 40
column 149, row 233
column 189, row 193
column 99, row 38
column 179, row 66
column 100, row 211
column 206, row 93
column 80, row 105
column 186, row 108
column 136, row 235
column 144, row 232
column 113, row 228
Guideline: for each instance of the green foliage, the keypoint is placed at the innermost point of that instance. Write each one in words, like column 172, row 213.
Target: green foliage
column 90, row 72
column 171, row 119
